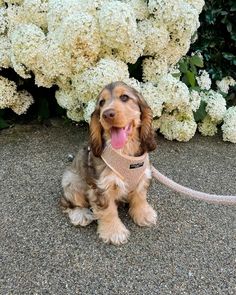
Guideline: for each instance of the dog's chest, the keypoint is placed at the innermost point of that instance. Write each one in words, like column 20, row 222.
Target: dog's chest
column 127, row 170
column 118, row 188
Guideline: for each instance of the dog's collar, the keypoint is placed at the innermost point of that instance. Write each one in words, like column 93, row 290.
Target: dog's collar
column 129, row 169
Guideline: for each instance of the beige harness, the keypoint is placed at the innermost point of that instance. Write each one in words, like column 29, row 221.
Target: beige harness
column 129, row 169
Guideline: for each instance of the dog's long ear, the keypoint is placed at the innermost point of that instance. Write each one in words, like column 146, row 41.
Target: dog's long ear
column 147, row 133
column 96, row 131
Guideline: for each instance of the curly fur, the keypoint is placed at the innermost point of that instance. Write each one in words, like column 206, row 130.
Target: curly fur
column 89, row 182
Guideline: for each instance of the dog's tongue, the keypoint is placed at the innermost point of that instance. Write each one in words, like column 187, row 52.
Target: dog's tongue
column 118, row 137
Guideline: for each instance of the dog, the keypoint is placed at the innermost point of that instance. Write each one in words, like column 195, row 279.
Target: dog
column 120, row 126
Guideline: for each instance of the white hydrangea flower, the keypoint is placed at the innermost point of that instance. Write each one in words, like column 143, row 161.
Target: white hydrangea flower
column 132, row 82
column 129, row 53
column 174, row 11
column 179, row 15
column 5, row 46
column 177, row 47
column 154, row 68
column 75, row 114
column 7, row 92
column 156, row 36
column 19, row 102
column 207, row 127
column 67, row 98
column 117, row 24
column 174, row 93
column 22, row 103
column 59, row 9
column 151, row 95
column 81, row 46
column 195, row 100
column 225, row 83
column 88, row 110
column 25, row 41
column 91, row 81
column 14, row 1
column 216, row 105
column 180, row 126
column 54, row 65
column 30, row 12
column 229, row 126
column 197, row 4
column 204, row 80
column 182, row 22
column 79, row 34
column 140, row 8
column 3, row 20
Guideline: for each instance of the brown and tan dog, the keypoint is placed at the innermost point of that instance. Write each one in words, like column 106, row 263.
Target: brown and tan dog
column 123, row 120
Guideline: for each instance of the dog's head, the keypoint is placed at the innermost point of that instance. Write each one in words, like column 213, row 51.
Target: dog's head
column 120, row 113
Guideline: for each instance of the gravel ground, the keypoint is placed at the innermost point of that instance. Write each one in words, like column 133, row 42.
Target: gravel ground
column 192, row 250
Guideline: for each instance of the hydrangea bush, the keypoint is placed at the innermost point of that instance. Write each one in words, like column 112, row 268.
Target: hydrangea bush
column 80, row 46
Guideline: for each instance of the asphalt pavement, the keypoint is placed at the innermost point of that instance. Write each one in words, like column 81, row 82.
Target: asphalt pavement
column 191, row 250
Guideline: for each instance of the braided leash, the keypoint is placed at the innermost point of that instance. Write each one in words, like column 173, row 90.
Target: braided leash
column 210, row 198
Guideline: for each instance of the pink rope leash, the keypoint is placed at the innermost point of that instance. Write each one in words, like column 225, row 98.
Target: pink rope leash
column 210, row 198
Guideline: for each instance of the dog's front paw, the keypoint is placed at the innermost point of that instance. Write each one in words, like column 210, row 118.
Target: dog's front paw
column 80, row 216
column 113, row 233
column 144, row 216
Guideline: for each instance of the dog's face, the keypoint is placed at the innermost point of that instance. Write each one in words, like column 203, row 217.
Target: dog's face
column 120, row 113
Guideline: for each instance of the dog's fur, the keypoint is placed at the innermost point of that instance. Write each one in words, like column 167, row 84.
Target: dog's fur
column 89, row 182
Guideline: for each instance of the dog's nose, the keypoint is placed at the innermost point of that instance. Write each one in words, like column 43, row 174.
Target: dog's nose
column 109, row 114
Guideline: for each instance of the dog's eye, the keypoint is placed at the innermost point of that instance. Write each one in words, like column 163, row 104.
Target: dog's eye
column 124, row 97
column 101, row 102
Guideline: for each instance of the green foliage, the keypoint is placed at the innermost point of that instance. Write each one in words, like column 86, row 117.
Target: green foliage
column 217, row 38
column 43, row 109
column 3, row 123
column 201, row 113
column 188, row 67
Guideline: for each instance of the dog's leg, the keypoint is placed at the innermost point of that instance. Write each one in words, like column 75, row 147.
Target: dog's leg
column 140, row 211
column 110, row 227
column 74, row 201
column 77, row 209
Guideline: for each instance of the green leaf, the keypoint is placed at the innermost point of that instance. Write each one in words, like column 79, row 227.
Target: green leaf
column 193, row 69
column 229, row 27
column 183, row 67
column 191, row 78
column 197, row 61
column 228, row 55
column 201, row 113
column 43, row 109
column 176, row 75
column 3, row 123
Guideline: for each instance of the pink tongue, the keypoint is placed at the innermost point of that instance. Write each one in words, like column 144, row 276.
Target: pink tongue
column 118, row 137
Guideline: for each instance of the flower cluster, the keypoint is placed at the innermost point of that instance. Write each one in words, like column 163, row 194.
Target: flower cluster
column 215, row 109
column 83, row 45
column 229, row 126
column 18, row 101
column 179, row 125
column 225, row 83
column 80, row 46
column 215, row 105
column 204, row 80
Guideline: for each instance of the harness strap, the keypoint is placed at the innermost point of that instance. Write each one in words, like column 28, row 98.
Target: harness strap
column 129, row 169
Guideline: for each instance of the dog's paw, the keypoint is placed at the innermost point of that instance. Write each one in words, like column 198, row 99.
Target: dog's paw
column 144, row 216
column 80, row 216
column 113, row 233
